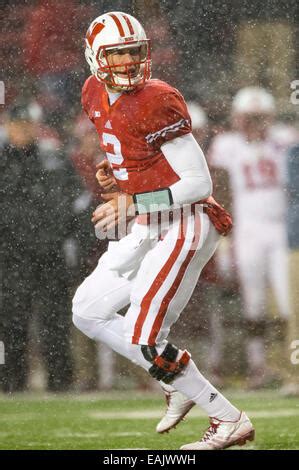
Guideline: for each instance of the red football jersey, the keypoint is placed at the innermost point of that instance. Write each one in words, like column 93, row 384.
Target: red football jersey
column 132, row 130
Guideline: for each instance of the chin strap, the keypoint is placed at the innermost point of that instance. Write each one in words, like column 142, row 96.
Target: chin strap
column 165, row 366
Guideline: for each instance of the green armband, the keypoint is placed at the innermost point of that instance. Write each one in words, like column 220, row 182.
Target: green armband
column 153, row 201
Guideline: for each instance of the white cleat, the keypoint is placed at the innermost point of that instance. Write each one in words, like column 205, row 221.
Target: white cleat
column 177, row 408
column 223, row 434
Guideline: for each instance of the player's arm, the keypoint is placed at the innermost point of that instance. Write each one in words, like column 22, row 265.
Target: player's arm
column 105, row 176
column 169, row 130
column 117, row 206
column 187, row 160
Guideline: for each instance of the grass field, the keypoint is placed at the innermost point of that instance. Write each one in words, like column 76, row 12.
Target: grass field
column 127, row 421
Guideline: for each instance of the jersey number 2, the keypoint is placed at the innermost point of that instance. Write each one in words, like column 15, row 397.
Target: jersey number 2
column 116, row 157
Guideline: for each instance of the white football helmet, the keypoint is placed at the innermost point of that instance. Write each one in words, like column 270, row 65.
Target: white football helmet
column 253, row 100
column 116, row 31
column 197, row 114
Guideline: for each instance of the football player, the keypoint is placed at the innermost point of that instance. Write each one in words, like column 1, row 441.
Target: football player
column 145, row 129
column 253, row 154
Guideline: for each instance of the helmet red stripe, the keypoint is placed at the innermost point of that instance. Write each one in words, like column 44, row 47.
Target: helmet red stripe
column 95, row 30
column 130, row 26
column 118, row 24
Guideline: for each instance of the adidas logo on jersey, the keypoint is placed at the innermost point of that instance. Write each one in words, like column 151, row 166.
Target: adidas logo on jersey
column 108, row 125
column 212, row 397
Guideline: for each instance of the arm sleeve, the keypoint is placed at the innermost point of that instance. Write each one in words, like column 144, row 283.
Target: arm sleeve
column 186, row 158
column 167, row 118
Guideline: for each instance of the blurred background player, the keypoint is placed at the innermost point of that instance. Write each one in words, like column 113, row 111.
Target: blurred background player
column 254, row 155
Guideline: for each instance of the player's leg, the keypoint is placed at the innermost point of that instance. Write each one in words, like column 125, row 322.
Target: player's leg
column 168, row 276
column 162, row 288
column 251, row 259
column 104, row 292
column 107, row 326
column 95, row 307
column 178, row 406
column 278, row 269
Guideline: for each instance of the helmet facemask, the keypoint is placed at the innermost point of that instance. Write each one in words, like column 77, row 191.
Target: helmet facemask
column 124, row 75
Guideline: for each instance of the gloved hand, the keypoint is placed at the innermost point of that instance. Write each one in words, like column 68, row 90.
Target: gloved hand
column 220, row 218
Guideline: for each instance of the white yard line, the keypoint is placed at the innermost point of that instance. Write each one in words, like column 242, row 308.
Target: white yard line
column 94, row 435
column 154, row 413
column 195, row 413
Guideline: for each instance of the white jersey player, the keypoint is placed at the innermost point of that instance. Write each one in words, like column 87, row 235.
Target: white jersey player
column 145, row 129
column 254, row 157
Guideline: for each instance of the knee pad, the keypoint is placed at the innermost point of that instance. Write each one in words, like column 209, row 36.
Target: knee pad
column 165, row 366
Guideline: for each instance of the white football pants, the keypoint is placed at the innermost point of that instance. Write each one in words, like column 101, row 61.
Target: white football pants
column 262, row 260
column 155, row 275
